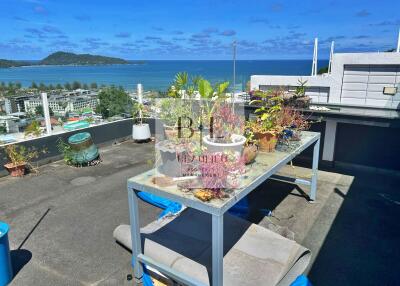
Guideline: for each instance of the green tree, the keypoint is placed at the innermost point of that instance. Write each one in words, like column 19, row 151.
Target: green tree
column 3, row 129
column 93, row 85
column 67, row 86
column 59, row 86
column 34, row 85
column 113, row 101
column 39, row 111
column 42, row 87
column 51, row 87
column 76, row 85
column 18, row 85
column 85, row 86
column 323, row 70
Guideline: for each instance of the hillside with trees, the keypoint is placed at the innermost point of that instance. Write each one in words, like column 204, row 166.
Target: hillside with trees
column 11, row 64
column 64, row 58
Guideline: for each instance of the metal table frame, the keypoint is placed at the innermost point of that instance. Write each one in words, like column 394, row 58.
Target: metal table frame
column 138, row 258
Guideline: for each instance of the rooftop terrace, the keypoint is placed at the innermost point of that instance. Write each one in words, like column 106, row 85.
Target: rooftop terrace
column 352, row 229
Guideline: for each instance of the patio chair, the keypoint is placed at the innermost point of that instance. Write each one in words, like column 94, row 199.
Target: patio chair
column 253, row 255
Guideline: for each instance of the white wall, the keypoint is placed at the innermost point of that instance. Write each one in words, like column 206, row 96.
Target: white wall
column 334, row 80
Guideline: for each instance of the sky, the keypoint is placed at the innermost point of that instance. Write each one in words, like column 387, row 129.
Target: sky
column 195, row 29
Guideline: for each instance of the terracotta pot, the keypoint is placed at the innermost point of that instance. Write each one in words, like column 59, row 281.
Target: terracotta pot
column 250, row 153
column 16, row 170
column 267, row 140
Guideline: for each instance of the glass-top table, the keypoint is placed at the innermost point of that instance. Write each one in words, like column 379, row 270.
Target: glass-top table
column 265, row 166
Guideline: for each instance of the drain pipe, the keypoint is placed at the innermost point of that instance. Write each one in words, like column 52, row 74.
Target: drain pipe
column 45, row 104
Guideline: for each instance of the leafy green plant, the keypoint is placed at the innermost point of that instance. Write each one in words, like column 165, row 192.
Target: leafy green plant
column 184, row 85
column 89, row 120
column 66, row 150
column 19, row 155
column 301, row 88
column 139, row 112
column 3, row 129
column 249, row 134
column 171, row 110
column 267, row 113
column 33, row 129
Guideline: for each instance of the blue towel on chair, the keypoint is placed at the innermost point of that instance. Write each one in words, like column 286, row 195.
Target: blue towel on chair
column 301, row 281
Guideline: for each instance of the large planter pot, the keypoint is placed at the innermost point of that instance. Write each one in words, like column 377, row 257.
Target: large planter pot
column 16, row 170
column 267, row 140
column 236, row 147
column 141, row 132
column 83, row 148
column 170, row 166
column 250, row 153
column 6, row 271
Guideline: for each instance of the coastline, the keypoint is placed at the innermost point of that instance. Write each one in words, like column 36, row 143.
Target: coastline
column 71, row 65
column 153, row 74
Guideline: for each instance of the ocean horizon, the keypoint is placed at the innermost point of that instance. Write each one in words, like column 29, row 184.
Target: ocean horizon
column 156, row 74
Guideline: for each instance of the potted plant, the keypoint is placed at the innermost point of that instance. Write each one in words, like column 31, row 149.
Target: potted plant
column 140, row 130
column 19, row 157
column 33, row 129
column 168, row 114
column 250, row 149
column 226, row 129
column 292, row 123
column 265, row 127
column 298, row 98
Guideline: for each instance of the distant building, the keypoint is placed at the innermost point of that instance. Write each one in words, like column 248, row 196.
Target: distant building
column 10, row 123
column 2, row 106
column 16, row 103
column 61, row 104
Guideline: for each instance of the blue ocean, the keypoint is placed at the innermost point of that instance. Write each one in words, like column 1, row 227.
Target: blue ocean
column 156, row 75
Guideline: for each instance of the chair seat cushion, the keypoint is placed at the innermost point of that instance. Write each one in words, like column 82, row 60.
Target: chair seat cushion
column 253, row 255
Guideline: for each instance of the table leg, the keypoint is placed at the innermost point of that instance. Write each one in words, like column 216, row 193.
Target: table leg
column 314, row 177
column 217, row 249
column 135, row 235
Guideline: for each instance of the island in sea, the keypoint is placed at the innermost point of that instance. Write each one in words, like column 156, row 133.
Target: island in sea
column 65, row 58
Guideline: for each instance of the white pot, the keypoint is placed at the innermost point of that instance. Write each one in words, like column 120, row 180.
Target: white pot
column 141, row 132
column 236, row 147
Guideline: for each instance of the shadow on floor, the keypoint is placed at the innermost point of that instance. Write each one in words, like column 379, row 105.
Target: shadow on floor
column 19, row 258
column 362, row 245
column 267, row 197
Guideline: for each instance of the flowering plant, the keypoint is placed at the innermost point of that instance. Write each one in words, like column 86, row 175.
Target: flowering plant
column 225, row 123
column 216, row 168
column 291, row 121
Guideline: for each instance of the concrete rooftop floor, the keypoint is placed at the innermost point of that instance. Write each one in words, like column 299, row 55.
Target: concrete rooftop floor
column 353, row 229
